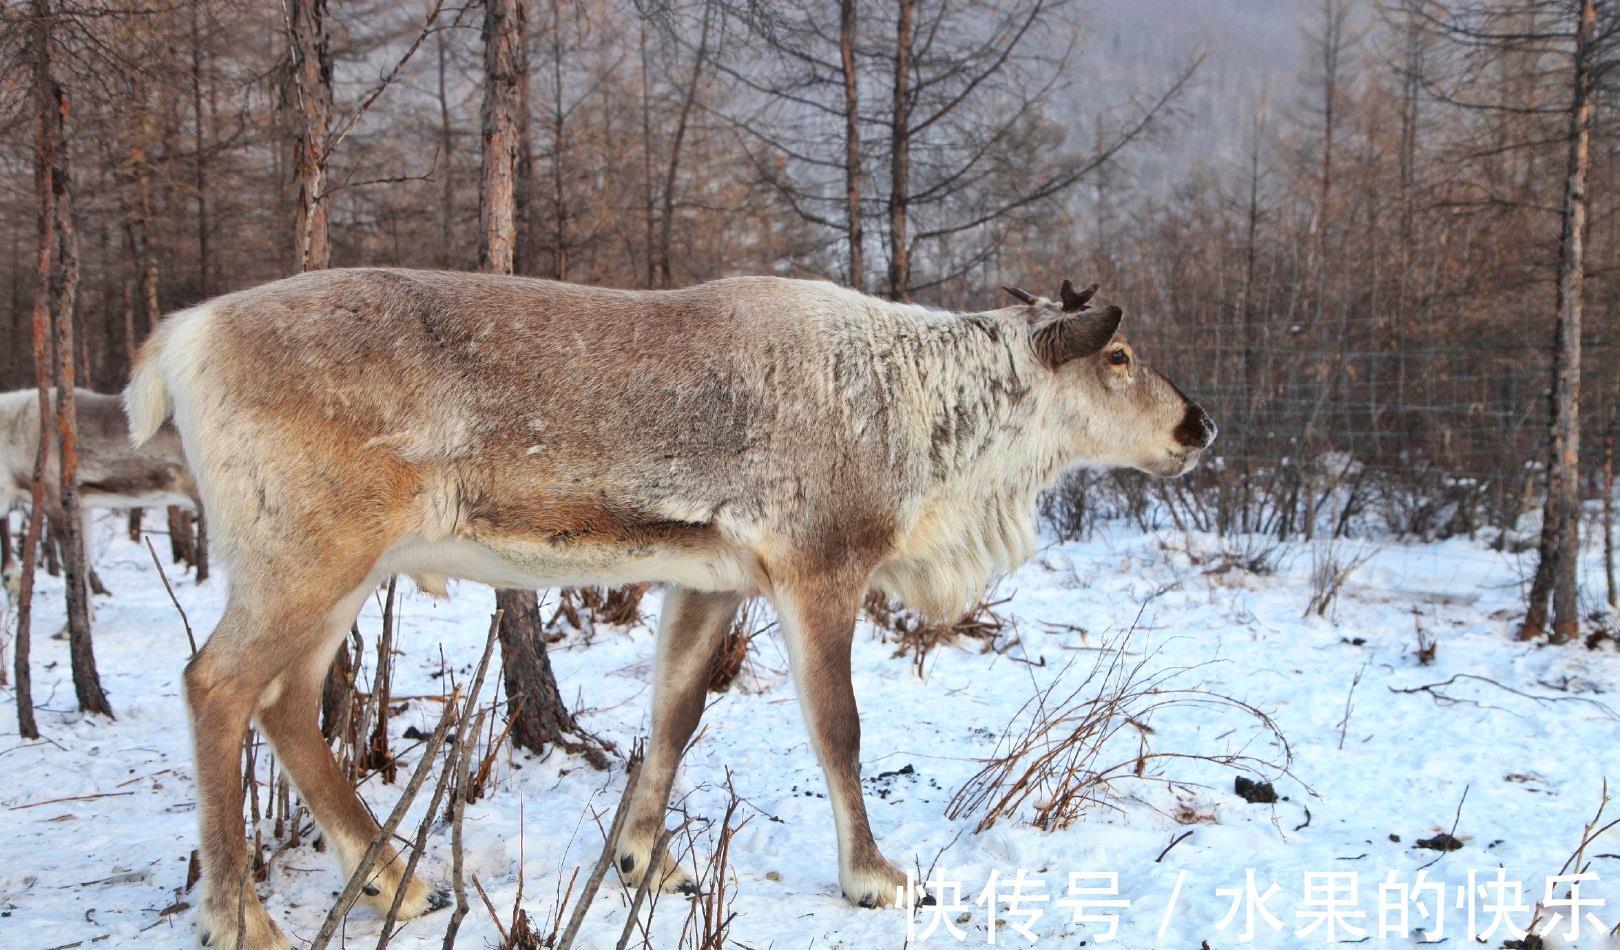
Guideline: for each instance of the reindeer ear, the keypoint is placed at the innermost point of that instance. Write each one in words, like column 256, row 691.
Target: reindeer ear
column 1023, row 296
column 1082, row 334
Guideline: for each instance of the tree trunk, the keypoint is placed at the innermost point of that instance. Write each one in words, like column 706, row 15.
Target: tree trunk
column 649, row 204
column 540, row 717
column 672, row 169
column 199, row 165
column 60, row 283
column 337, row 699
column 1557, row 568
column 1251, row 365
column 312, row 89
column 900, row 157
column 1608, row 515
column 559, row 148
column 497, row 188
column 525, row 241
column 311, row 101
column 533, row 701
column 198, row 543
column 46, row 118
column 132, row 251
column 447, row 187
column 1567, row 356
column 852, row 145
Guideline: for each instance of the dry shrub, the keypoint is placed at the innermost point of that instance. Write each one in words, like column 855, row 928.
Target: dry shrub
column 728, row 663
column 916, row 637
column 518, row 932
column 1331, row 567
column 1255, row 554
column 1070, row 508
column 522, row 935
column 709, row 914
column 1072, row 747
column 585, row 607
column 1578, row 862
column 1427, row 645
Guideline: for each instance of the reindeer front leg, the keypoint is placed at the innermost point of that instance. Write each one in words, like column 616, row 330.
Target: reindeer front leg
column 691, row 628
column 818, row 616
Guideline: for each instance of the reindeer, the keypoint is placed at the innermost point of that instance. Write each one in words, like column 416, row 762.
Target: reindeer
column 752, row 436
column 111, row 473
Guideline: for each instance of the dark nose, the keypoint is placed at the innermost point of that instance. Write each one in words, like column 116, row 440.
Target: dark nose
column 1197, row 429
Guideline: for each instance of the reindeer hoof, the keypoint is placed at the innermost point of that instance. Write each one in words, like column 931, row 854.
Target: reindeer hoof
column 634, row 865
column 686, row 887
column 881, row 885
column 438, row 900
column 871, row 901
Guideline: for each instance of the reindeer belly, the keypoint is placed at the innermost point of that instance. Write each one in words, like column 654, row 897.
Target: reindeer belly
column 531, row 563
column 548, row 540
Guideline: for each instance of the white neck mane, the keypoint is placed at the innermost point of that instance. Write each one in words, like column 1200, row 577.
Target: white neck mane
column 989, row 462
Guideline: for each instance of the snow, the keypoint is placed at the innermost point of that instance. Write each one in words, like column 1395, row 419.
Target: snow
column 1531, row 754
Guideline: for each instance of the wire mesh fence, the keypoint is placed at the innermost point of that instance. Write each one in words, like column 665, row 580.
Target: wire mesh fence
column 1337, row 426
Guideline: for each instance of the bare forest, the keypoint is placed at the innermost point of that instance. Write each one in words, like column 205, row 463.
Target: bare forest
column 1355, row 245
column 1378, row 240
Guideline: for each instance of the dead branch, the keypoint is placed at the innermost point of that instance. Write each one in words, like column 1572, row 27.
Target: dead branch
column 362, row 871
column 1344, row 723
column 917, row 637
column 655, row 863
column 1055, row 760
column 1441, row 698
column 594, row 882
column 190, row 637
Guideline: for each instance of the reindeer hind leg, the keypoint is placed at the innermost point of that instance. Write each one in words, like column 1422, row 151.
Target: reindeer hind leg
column 222, row 689
column 290, row 721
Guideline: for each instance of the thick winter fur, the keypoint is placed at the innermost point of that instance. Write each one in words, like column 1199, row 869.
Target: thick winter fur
column 747, row 436
column 112, row 473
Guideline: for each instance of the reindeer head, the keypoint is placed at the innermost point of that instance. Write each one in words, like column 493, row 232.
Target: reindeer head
column 1112, row 409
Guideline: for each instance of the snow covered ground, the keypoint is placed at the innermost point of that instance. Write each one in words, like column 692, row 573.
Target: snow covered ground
column 1529, row 742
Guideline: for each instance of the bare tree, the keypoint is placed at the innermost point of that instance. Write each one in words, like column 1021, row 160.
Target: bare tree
column 314, row 142
column 802, row 72
column 900, row 131
column 849, row 72
column 663, row 272
column 310, row 51
column 540, row 717
column 56, row 295
column 446, row 146
column 558, row 115
column 1560, row 544
column 1534, row 100
column 505, row 22
column 47, row 116
column 962, row 148
column 193, row 529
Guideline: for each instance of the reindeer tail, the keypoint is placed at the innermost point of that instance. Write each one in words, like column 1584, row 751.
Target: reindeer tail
column 146, row 399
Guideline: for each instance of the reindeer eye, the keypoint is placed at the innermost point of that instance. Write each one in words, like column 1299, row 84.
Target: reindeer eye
column 1119, row 357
